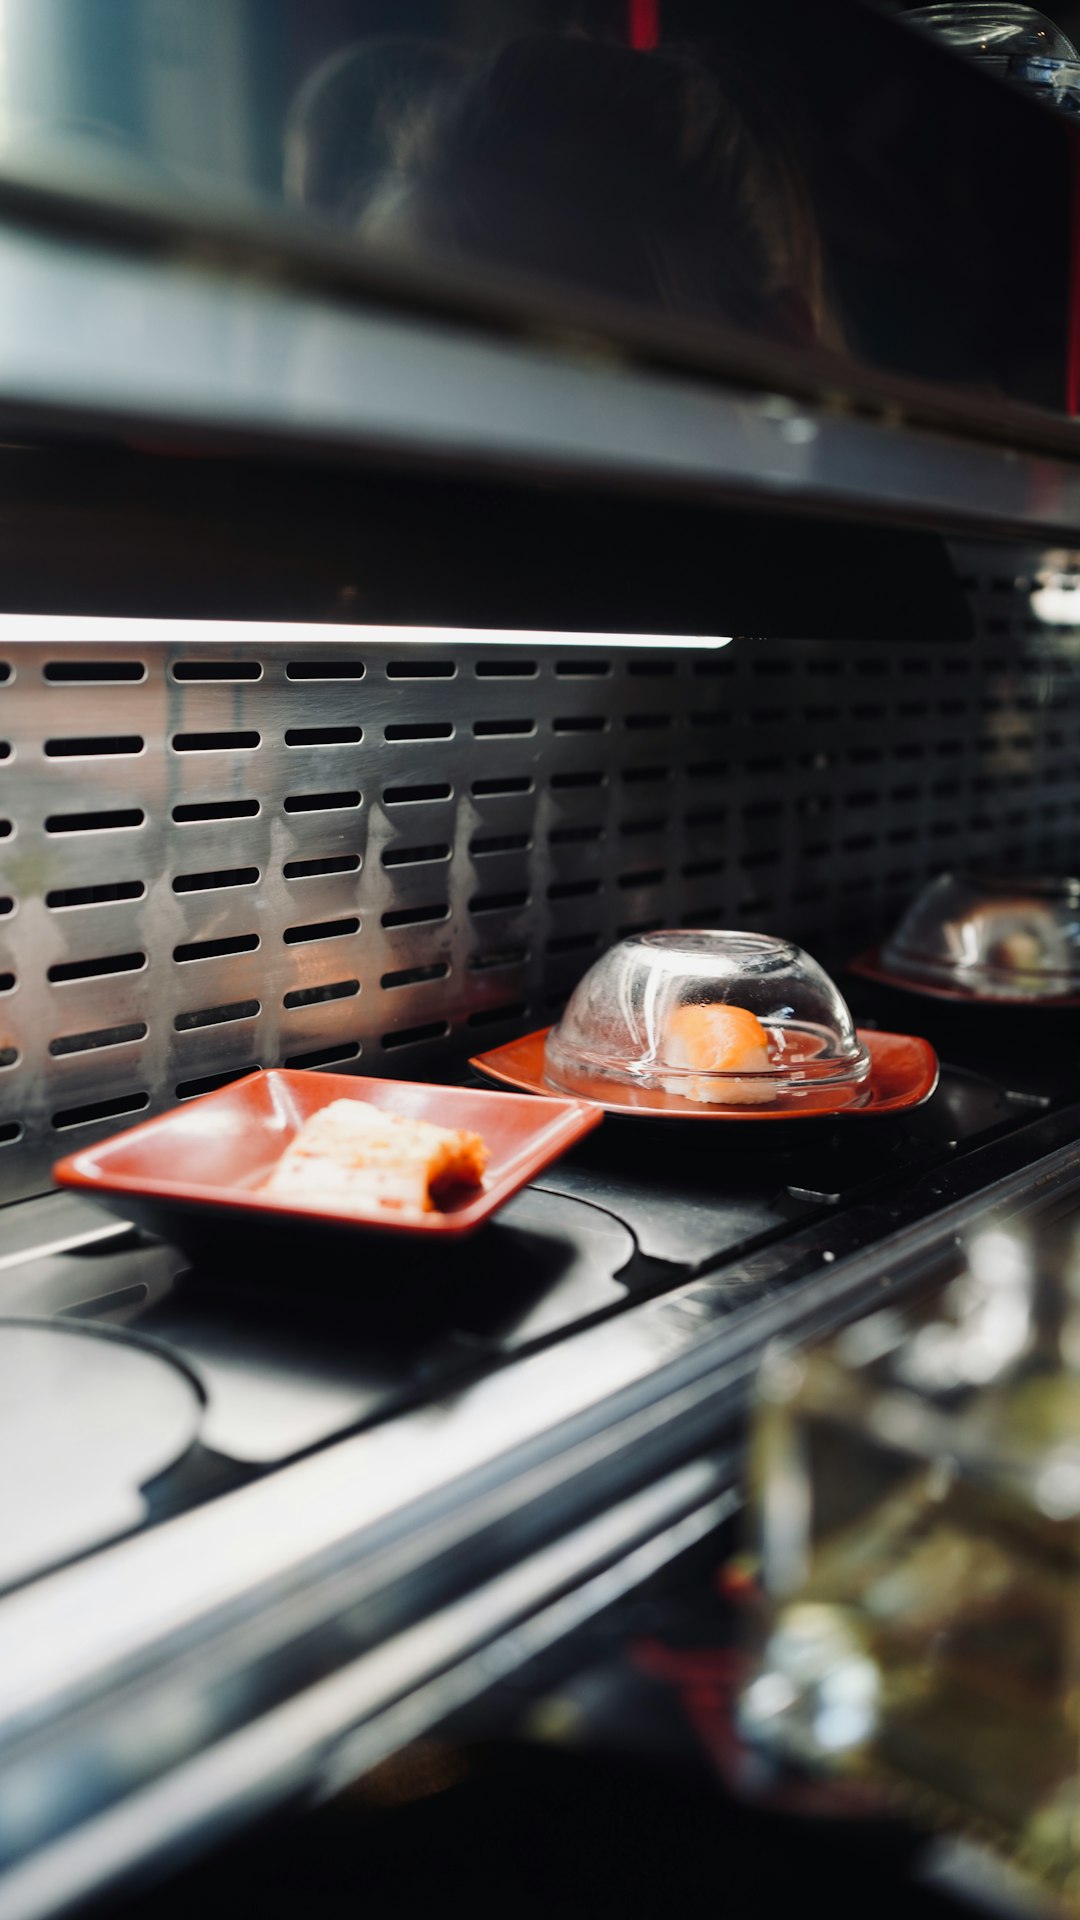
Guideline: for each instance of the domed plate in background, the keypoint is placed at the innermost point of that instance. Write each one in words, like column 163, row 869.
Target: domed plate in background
column 983, row 939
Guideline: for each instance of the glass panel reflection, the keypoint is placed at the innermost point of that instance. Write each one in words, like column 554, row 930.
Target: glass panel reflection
column 918, row 1503
column 808, row 180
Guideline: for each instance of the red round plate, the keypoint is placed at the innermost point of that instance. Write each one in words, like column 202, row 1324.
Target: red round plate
column 870, row 966
column 903, row 1073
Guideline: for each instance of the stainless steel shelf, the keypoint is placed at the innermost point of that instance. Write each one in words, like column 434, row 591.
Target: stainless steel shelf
column 93, row 334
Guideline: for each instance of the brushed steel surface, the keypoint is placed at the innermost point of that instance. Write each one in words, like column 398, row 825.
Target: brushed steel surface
column 277, row 1380
column 97, row 332
column 394, row 901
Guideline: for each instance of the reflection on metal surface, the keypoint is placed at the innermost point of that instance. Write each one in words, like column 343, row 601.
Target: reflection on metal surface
column 87, row 1419
column 90, row 629
column 97, row 333
column 1055, row 592
column 275, row 1386
column 722, row 173
column 274, row 895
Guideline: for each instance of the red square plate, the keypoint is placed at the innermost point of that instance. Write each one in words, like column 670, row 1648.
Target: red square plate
column 207, row 1157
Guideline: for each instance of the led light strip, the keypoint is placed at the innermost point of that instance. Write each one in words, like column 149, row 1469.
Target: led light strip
column 46, row 628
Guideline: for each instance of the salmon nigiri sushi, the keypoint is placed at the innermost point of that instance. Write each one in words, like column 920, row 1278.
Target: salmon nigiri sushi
column 717, row 1040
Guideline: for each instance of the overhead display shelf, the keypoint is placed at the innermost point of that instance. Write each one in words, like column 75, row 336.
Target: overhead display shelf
column 94, row 335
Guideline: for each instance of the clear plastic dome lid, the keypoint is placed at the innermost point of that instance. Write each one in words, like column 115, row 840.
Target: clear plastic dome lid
column 735, row 1019
column 996, row 937
column 996, row 29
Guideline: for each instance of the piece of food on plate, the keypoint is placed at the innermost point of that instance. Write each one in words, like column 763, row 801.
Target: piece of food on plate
column 351, row 1156
column 718, row 1040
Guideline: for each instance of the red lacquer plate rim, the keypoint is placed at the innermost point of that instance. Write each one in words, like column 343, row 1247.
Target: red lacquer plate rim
column 870, row 966
column 262, row 1110
column 903, row 1074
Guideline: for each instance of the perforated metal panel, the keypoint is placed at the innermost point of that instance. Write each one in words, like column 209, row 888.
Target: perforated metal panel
column 355, row 854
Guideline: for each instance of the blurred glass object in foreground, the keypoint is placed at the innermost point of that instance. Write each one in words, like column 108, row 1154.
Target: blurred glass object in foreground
column 917, row 1493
